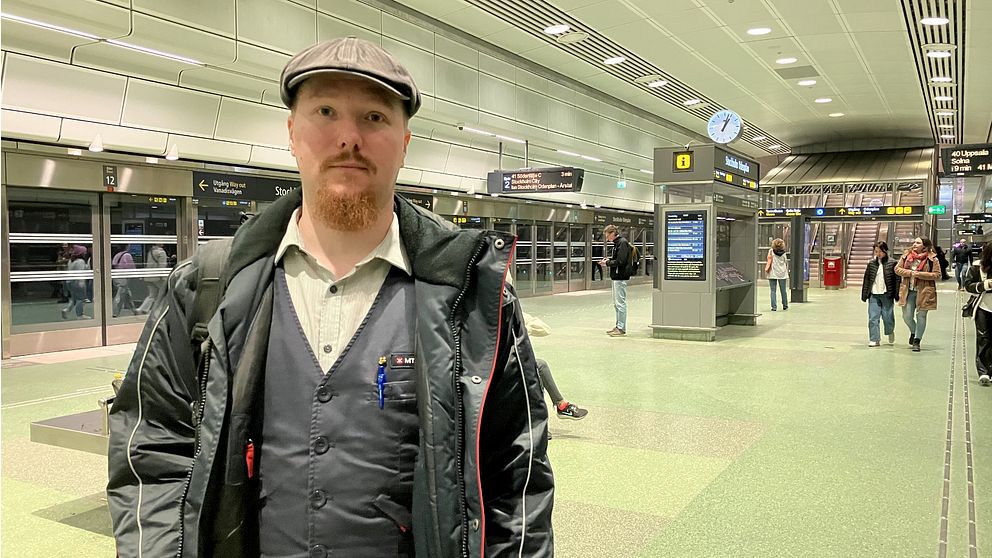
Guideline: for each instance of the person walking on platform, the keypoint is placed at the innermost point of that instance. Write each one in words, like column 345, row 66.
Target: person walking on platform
column 920, row 271
column 777, row 270
column 942, row 258
column 880, row 289
column 619, row 264
column 962, row 259
column 156, row 258
column 366, row 385
column 978, row 281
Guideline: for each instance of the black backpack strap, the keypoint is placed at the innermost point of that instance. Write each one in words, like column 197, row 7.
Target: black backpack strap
column 210, row 286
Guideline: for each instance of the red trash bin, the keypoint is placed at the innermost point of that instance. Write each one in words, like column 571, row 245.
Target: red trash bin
column 833, row 273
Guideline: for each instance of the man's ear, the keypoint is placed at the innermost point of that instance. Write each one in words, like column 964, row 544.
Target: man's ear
column 289, row 126
column 406, row 140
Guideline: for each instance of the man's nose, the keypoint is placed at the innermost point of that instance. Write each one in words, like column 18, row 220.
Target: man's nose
column 349, row 134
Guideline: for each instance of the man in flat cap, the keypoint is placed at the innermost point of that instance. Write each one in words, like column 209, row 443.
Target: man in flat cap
column 366, row 387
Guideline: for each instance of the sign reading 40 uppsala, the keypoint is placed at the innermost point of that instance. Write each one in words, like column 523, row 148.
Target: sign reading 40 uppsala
column 968, row 160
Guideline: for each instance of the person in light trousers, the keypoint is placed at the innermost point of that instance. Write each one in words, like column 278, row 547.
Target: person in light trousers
column 777, row 270
column 920, row 272
column 880, row 289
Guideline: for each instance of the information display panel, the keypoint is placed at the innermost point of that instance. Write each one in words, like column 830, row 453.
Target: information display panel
column 556, row 179
column 685, row 246
column 881, row 211
column 968, row 160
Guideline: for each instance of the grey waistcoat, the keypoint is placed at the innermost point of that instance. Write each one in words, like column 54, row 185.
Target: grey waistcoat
column 335, row 469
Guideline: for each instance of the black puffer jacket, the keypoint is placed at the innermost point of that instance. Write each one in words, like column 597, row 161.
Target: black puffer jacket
column 482, row 483
column 892, row 280
column 619, row 259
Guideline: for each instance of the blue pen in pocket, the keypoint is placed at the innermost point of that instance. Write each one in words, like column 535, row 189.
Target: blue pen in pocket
column 380, row 381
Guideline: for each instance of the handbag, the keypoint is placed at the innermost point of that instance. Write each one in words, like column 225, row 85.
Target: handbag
column 968, row 310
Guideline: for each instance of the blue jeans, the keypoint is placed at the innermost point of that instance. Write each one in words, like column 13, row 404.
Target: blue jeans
column 782, row 287
column 620, row 303
column 881, row 306
column 915, row 319
column 961, row 273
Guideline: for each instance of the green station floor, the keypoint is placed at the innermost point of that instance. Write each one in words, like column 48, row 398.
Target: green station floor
column 788, row 439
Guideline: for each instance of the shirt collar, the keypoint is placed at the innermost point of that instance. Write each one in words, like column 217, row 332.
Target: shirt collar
column 390, row 250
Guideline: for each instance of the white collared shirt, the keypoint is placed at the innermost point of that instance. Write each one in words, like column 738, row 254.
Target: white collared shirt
column 878, row 287
column 331, row 310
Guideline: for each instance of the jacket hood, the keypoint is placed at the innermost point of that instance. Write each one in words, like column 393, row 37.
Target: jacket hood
column 778, row 251
column 430, row 241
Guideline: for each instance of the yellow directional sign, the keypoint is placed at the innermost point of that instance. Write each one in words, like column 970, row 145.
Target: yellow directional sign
column 761, row 213
column 842, row 211
column 203, row 186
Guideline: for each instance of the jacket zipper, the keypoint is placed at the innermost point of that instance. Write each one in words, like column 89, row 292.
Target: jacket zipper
column 197, row 419
column 459, row 390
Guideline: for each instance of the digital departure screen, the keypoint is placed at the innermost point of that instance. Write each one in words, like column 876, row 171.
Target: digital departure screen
column 557, row 179
column 685, row 246
column 968, row 160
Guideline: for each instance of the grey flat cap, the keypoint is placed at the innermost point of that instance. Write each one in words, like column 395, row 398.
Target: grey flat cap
column 355, row 57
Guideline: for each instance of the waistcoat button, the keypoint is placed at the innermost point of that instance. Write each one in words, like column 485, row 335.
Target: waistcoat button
column 318, row 551
column 334, row 289
column 328, row 348
column 317, row 499
column 476, row 379
column 323, row 394
column 321, row 445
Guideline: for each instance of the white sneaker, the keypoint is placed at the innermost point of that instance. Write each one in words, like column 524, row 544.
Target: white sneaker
column 892, row 339
column 873, row 343
column 984, row 379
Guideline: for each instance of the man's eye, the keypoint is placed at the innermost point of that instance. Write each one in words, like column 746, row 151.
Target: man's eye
column 377, row 117
column 324, row 111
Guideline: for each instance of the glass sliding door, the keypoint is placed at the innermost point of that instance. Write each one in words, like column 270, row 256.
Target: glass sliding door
column 560, row 251
column 577, row 257
column 543, row 262
column 598, row 248
column 523, row 260
column 55, row 292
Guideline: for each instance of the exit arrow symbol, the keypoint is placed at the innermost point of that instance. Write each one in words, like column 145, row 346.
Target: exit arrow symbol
column 203, row 186
column 842, row 211
column 761, row 214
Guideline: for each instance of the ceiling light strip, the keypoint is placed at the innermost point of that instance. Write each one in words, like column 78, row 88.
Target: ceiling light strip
column 531, row 16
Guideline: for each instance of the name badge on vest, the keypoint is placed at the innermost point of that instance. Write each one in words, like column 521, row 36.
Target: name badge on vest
column 402, row 361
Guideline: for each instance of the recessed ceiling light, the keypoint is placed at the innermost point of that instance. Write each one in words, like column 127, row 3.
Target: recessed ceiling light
column 775, row 146
column 941, row 79
column 556, row 29
column 946, row 126
column 806, row 82
column 935, row 21
column 614, row 60
column 939, row 54
column 943, row 98
column 648, row 78
column 787, row 60
column 822, row 100
column 572, row 37
column 74, row 151
column 947, row 136
column 757, row 31
column 658, row 83
column 835, row 114
column 759, row 138
column 945, row 113
column 569, row 153
column 691, row 102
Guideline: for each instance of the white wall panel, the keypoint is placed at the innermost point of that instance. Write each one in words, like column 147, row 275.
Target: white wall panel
column 455, row 82
column 171, row 109
column 410, row 177
column 258, row 62
column 531, row 81
column 561, row 117
column 465, row 161
column 407, row 32
column 496, row 96
column 278, row 24
column 216, row 16
column 211, row 150
column 353, row 11
column 586, row 125
column 532, row 108
column 459, row 113
column 418, row 62
column 252, row 123
column 224, row 82
column 458, row 52
column 441, row 180
column 424, row 153
column 30, row 39
column 76, row 132
column 27, row 126
column 274, row 158
column 39, row 86
column 173, row 38
column 332, row 28
column 498, row 68
column 90, row 16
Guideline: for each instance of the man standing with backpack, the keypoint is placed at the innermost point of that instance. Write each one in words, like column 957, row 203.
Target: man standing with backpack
column 623, row 263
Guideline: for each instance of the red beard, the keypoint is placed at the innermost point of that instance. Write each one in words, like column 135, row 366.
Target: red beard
column 346, row 212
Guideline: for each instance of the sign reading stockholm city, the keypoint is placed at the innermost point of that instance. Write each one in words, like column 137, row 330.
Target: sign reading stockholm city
column 240, row 186
column 555, row 179
column 968, row 160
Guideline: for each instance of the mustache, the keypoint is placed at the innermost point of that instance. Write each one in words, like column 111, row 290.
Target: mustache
column 353, row 158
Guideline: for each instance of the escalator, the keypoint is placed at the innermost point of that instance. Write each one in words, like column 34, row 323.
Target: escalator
column 862, row 249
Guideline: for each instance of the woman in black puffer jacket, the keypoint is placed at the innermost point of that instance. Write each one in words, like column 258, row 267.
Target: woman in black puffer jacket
column 880, row 289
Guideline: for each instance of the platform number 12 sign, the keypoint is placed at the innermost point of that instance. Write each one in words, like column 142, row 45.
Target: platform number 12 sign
column 110, row 177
